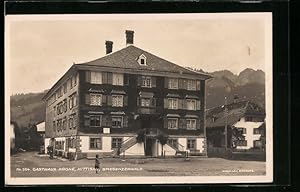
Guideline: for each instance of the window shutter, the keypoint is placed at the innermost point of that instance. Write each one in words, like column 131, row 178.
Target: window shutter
column 165, row 122
column 86, row 120
column 180, row 104
column 109, row 100
column 180, row 84
column 67, row 143
column 87, row 76
column 184, row 104
column 182, row 123
column 166, row 82
column 104, row 100
column 126, row 79
column 87, row 99
column 125, row 102
column 138, row 101
column 104, row 77
column 185, row 84
column 108, row 121
column 198, row 86
column 166, row 104
column 198, row 124
column 104, row 121
column 139, row 81
column 125, row 121
column 153, row 102
column 153, row 81
column 198, row 105
column 109, row 78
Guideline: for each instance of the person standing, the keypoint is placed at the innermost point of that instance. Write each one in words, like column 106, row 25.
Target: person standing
column 97, row 164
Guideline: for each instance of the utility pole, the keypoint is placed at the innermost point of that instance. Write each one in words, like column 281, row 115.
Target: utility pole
column 225, row 114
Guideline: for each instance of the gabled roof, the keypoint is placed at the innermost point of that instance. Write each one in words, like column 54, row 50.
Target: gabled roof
column 127, row 58
column 235, row 111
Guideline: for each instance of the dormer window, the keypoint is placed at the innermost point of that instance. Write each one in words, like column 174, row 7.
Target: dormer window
column 142, row 60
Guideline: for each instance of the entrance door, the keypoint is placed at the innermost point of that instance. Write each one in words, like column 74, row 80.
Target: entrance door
column 149, row 144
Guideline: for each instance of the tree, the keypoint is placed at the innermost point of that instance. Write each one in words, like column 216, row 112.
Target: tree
column 163, row 139
column 236, row 135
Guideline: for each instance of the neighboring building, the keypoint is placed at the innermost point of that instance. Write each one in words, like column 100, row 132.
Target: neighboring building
column 245, row 126
column 100, row 106
column 40, row 128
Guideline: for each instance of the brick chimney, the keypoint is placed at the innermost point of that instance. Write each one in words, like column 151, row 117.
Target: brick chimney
column 109, row 46
column 129, row 37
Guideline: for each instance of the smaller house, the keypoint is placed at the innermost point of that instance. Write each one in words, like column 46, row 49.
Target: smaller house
column 245, row 123
column 40, row 128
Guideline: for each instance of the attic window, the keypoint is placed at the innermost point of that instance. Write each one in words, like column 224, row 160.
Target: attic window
column 142, row 60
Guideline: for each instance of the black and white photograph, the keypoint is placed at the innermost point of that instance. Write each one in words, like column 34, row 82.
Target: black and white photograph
column 138, row 98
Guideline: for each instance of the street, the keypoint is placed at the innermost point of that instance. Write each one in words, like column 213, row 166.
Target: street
column 30, row 164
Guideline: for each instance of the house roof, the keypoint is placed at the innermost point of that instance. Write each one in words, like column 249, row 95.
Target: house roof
column 235, row 111
column 127, row 58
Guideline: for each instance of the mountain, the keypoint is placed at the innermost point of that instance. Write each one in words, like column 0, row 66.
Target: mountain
column 27, row 109
column 247, row 85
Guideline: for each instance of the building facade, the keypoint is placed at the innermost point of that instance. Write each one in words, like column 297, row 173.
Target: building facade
column 245, row 122
column 99, row 107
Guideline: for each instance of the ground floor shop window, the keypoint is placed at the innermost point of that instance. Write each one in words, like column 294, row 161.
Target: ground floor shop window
column 95, row 143
column 116, row 143
column 191, row 144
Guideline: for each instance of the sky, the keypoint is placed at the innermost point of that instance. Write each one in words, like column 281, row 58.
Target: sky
column 41, row 48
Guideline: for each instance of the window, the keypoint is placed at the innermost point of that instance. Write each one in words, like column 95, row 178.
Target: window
column 96, row 77
column 65, row 105
column 191, row 84
column 95, row 120
column 65, row 88
column 117, row 122
column 59, row 125
column 64, row 123
column 257, row 144
column 172, row 123
column 116, row 143
column 95, row 143
column 95, row 99
column 191, row 104
column 191, row 123
column 145, row 102
column 54, row 125
column 117, row 100
column 173, row 142
column 173, row 103
column 59, row 145
column 243, row 130
column 54, row 110
column 72, row 101
column 173, row 83
column 142, row 60
column 118, row 79
column 59, row 92
column 191, row 144
column 241, row 143
column 256, row 131
column 71, row 121
column 75, row 80
column 146, row 81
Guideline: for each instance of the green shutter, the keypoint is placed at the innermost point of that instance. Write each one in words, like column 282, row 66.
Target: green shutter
column 166, row 104
column 104, row 100
column 87, row 99
column 180, row 84
column 86, row 120
column 88, row 76
column 125, row 100
column 166, row 82
column 104, row 77
column 153, row 81
column 198, row 105
column 109, row 100
column 109, row 78
column 139, row 80
column 125, row 121
column 198, row 86
column 165, row 122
